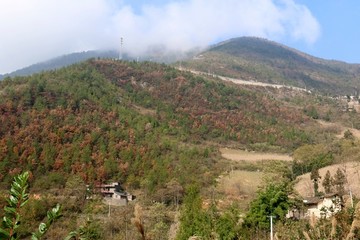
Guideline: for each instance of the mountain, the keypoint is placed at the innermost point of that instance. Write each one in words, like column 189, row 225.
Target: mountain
column 60, row 62
column 257, row 59
column 246, row 58
column 155, row 53
column 75, row 118
column 153, row 128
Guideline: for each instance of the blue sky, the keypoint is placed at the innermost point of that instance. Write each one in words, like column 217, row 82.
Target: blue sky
column 36, row 30
column 340, row 34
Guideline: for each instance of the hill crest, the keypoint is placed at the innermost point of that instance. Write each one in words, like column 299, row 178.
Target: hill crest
column 258, row 59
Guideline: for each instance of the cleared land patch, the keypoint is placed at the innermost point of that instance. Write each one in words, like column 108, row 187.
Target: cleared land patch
column 241, row 155
column 239, row 186
column 305, row 186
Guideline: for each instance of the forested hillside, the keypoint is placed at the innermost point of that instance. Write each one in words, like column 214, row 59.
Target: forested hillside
column 157, row 131
column 94, row 117
column 61, row 61
column 261, row 60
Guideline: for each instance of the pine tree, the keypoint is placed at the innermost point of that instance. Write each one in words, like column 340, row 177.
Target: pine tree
column 315, row 176
column 327, row 182
column 339, row 181
column 194, row 220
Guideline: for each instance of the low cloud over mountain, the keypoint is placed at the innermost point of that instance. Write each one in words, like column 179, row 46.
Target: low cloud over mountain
column 35, row 30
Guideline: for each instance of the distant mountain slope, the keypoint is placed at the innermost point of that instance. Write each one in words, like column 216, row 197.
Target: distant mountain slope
column 60, row 62
column 258, row 59
column 156, row 54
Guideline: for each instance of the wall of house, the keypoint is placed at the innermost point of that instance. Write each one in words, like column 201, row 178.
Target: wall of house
column 313, row 210
column 115, row 202
column 326, row 203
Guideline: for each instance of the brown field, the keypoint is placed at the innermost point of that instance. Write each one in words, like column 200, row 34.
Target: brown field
column 241, row 155
column 239, row 186
column 305, row 186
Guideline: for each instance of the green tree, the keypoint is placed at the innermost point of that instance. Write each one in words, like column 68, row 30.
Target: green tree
column 311, row 112
column 339, row 181
column 227, row 225
column 272, row 200
column 315, row 176
column 75, row 190
column 327, row 182
column 158, row 222
column 308, row 157
column 194, row 221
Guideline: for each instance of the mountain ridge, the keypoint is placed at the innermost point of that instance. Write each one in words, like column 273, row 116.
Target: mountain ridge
column 259, row 59
column 61, row 61
column 246, row 58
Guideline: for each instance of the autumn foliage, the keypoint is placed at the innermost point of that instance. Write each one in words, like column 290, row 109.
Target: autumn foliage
column 85, row 120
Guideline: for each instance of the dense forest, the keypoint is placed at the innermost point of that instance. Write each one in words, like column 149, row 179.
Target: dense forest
column 95, row 117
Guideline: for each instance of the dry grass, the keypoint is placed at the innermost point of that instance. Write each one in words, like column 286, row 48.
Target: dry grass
column 352, row 169
column 241, row 155
column 144, row 111
column 340, row 129
column 239, row 186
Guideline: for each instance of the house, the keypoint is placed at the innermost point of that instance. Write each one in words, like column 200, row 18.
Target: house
column 324, row 206
column 114, row 194
column 319, row 207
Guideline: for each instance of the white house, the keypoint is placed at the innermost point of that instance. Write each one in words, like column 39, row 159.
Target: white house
column 324, row 206
column 114, row 194
column 319, row 207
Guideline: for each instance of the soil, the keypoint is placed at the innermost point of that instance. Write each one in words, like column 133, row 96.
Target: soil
column 305, row 186
column 241, row 155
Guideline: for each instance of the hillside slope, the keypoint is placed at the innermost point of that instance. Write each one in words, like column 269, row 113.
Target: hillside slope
column 149, row 126
column 108, row 119
column 61, row 61
column 261, row 60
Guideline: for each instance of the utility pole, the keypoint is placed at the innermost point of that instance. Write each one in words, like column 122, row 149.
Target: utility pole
column 121, row 44
column 109, row 210
column 271, row 227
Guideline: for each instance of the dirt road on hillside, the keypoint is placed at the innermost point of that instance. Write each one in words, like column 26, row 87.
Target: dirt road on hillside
column 244, row 82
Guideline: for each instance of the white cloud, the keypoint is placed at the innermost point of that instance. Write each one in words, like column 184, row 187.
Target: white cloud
column 35, row 30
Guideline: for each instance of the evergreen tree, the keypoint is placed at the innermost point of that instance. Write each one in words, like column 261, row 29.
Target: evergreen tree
column 339, row 181
column 327, row 182
column 315, row 176
column 194, row 221
column 273, row 200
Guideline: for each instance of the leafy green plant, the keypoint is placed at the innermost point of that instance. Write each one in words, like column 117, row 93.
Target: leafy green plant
column 273, row 200
column 17, row 199
column 90, row 231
